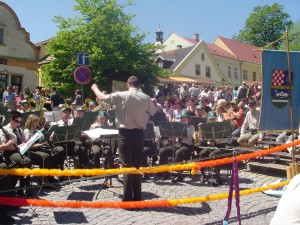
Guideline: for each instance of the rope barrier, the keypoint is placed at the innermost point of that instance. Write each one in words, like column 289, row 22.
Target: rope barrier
column 135, row 204
column 194, row 167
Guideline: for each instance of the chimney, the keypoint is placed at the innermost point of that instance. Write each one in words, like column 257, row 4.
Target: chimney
column 179, row 46
column 196, row 37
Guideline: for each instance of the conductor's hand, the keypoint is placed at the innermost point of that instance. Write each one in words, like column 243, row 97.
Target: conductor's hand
column 94, row 87
column 10, row 145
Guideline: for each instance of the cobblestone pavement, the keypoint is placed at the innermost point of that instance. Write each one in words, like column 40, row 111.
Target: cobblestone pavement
column 255, row 209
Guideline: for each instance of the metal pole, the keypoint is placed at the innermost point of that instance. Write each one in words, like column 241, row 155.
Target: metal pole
column 291, row 96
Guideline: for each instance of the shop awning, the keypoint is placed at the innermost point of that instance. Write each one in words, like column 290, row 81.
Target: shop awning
column 198, row 81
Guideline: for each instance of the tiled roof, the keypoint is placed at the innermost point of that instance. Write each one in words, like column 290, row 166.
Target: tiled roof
column 191, row 40
column 216, row 50
column 176, row 55
column 242, row 51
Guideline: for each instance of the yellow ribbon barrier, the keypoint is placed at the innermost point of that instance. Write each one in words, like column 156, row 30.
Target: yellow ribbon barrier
column 135, row 204
column 179, row 167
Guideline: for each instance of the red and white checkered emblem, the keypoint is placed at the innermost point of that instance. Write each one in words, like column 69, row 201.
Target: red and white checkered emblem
column 278, row 78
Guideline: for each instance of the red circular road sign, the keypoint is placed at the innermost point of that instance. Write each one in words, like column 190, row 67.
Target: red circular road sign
column 82, row 75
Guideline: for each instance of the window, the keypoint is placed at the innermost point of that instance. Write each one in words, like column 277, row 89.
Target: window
column 3, row 61
column 207, row 71
column 245, row 75
column 1, row 36
column 229, row 71
column 235, row 73
column 16, row 81
column 3, row 83
column 254, row 76
column 197, row 69
column 202, row 56
column 160, row 64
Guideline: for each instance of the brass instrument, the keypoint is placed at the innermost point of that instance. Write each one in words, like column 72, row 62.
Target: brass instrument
column 85, row 106
column 98, row 108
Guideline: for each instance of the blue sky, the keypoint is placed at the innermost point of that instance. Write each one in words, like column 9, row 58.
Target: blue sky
column 209, row 18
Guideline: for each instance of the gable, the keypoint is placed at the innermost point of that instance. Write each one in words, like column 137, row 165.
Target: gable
column 16, row 39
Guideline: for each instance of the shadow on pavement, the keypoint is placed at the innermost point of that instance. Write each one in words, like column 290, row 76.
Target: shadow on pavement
column 69, row 217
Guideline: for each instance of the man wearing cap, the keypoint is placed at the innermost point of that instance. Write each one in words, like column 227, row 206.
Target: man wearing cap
column 219, row 144
column 92, row 106
column 183, row 146
column 100, row 147
column 249, row 131
column 131, row 107
column 236, row 116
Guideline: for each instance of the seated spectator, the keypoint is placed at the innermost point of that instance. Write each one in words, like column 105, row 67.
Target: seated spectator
column 236, row 116
column 249, row 131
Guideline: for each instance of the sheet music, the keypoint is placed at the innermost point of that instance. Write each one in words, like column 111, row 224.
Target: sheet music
column 101, row 133
column 30, row 142
column 52, row 116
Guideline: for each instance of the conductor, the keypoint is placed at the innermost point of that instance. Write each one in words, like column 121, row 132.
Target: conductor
column 131, row 107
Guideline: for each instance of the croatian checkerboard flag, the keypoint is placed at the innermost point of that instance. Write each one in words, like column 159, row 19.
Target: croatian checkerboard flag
column 275, row 105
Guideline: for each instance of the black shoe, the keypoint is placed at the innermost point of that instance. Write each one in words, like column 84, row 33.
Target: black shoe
column 145, row 177
column 154, row 159
column 29, row 192
column 166, row 176
column 6, row 219
column 20, row 192
column 12, row 207
column 179, row 178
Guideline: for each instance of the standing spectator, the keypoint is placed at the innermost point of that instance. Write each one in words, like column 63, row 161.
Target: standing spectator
column 235, row 92
column 78, row 98
column 184, row 91
column 8, row 98
column 194, row 91
column 131, row 107
column 16, row 90
column 242, row 91
column 54, row 97
column 159, row 92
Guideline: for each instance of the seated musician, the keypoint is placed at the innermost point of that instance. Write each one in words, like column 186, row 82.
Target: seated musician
column 6, row 183
column 236, row 116
column 41, row 153
column 149, row 148
column 92, row 106
column 183, row 147
column 212, row 153
column 13, row 132
column 25, row 106
column 100, row 147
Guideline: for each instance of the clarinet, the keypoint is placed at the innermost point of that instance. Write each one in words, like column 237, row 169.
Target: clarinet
column 8, row 137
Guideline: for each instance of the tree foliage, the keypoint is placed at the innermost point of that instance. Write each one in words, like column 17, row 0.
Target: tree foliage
column 266, row 24
column 104, row 32
column 294, row 38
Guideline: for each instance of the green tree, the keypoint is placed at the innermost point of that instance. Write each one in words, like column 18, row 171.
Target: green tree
column 113, row 44
column 265, row 25
column 294, row 38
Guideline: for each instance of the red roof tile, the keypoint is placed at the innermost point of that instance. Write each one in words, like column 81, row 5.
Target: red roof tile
column 216, row 50
column 242, row 51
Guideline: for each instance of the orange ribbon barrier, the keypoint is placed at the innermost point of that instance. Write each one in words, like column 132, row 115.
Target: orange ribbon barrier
column 195, row 166
column 127, row 205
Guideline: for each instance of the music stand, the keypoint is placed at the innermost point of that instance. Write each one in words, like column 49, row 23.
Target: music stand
column 112, row 116
column 106, row 134
column 149, row 131
column 173, row 130
column 64, row 135
column 90, row 114
column 217, row 130
column 196, row 120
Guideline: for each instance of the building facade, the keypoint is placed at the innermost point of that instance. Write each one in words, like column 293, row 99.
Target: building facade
column 18, row 55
